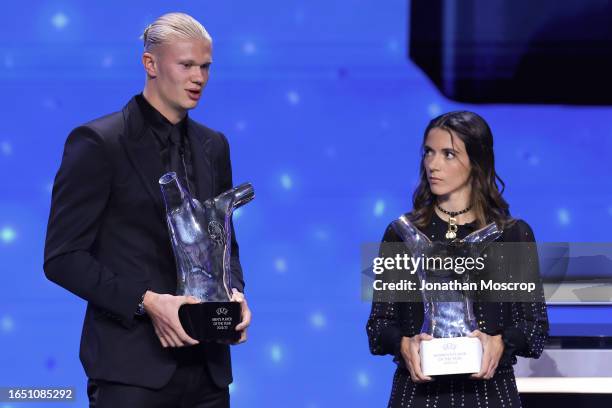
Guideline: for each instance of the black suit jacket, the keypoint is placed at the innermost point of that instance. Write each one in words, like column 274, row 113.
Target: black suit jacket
column 107, row 242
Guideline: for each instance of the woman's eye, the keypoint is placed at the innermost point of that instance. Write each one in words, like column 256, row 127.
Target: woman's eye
column 187, row 65
column 450, row 155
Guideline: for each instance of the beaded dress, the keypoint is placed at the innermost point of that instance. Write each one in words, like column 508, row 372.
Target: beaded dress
column 523, row 326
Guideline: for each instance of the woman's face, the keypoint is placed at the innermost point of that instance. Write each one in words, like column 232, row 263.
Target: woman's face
column 446, row 162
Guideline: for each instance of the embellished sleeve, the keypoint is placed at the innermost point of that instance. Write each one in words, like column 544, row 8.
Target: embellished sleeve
column 383, row 327
column 528, row 331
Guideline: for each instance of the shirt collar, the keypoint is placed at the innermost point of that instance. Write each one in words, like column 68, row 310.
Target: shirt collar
column 158, row 122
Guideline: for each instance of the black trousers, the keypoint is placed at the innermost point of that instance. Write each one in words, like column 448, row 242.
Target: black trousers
column 189, row 387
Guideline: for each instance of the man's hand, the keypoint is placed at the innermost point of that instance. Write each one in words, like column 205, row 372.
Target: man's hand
column 493, row 348
column 246, row 315
column 410, row 349
column 163, row 311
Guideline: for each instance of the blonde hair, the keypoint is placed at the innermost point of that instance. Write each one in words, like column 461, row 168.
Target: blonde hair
column 173, row 26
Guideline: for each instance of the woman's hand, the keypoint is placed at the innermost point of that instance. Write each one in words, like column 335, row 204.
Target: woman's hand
column 493, row 348
column 410, row 348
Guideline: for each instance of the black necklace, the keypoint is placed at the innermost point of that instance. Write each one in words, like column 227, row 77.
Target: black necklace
column 452, row 221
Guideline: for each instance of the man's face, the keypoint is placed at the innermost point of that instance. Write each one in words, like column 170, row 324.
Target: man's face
column 180, row 72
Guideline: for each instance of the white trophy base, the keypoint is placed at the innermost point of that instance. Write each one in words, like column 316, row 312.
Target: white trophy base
column 455, row 355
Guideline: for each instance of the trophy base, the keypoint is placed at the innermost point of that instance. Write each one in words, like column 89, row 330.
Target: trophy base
column 455, row 355
column 211, row 321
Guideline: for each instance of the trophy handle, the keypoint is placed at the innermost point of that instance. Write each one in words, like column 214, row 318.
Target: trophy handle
column 414, row 239
column 234, row 198
column 224, row 206
column 243, row 194
column 488, row 233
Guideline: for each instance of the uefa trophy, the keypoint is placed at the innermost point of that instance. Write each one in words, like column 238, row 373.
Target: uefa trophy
column 201, row 237
column 448, row 315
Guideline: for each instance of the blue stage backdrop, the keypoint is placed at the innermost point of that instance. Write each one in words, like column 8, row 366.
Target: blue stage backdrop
column 325, row 115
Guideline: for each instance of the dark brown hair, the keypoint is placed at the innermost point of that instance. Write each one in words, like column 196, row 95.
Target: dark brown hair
column 486, row 199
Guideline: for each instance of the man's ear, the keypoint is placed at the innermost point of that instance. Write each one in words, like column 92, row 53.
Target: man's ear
column 149, row 61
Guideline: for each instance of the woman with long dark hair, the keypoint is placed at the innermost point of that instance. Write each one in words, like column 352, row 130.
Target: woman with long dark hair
column 458, row 194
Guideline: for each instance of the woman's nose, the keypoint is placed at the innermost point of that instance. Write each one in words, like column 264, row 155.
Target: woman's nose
column 434, row 164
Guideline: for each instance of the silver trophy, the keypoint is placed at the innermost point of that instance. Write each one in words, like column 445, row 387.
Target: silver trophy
column 201, row 237
column 448, row 315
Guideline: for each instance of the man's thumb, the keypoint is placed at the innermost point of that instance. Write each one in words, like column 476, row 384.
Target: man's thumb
column 191, row 300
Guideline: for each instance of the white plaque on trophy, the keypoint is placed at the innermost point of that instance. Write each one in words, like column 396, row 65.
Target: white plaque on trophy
column 453, row 355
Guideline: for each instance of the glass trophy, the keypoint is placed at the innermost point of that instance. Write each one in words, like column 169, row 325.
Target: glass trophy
column 448, row 314
column 201, row 237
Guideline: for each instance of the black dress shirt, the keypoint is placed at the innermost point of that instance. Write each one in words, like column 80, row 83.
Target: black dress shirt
column 164, row 132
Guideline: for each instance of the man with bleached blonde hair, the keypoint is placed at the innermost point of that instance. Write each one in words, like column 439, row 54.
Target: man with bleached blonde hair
column 108, row 243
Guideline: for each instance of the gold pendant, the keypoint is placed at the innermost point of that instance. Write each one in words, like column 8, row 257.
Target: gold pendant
column 452, row 228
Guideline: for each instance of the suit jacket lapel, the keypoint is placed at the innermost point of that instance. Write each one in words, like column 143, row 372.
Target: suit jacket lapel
column 201, row 160
column 142, row 151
